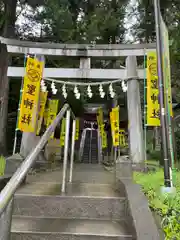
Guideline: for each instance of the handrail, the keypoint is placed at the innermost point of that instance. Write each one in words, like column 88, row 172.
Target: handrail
column 7, row 193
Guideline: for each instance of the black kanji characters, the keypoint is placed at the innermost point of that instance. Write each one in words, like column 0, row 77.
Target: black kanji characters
column 30, row 64
column 52, row 117
column 154, row 83
column 116, row 131
column 28, row 103
column 26, row 119
column 155, row 113
column 154, row 98
column 151, row 58
column 31, row 89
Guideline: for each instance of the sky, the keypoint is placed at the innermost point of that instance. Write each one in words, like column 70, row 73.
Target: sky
column 129, row 21
column 36, row 29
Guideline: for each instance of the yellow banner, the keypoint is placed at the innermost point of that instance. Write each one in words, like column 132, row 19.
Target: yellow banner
column 43, row 99
column 122, row 139
column 153, row 107
column 52, row 111
column 103, row 134
column 63, row 132
column 77, row 129
column 112, row 129
column 2, row 166
column 30, row 96
column 100, row 119
column 115, row 112
column 114, row 118
column 166, row 66
column 45, row 115
column 103, row 137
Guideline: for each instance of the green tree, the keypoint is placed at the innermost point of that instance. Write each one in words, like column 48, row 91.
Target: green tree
column 63, row 21
column 144, row 31
column 100, row 21
column 8, row 12
column 7, row 29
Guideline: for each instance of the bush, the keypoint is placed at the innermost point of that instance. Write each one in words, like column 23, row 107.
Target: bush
column 177, row 137
column 166, row 206
column 156, row 155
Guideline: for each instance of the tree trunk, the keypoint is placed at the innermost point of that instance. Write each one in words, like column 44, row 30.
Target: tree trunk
column 4, row 90
column 8, row 32
column 10, row 18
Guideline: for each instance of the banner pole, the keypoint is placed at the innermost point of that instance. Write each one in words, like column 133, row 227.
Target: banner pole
column 145, row 110
column 167, row 174
column 115, row 162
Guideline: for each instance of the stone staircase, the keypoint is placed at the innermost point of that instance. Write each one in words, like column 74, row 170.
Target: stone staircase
column 86, row 150
column 94, row 147
column 90, row 153
column 93, row 208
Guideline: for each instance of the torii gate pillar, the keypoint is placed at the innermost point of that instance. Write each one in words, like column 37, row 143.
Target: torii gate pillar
column 136, row 143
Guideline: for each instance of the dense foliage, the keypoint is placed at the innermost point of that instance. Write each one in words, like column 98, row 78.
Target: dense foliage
column 68, row 21
column 63, row 21
column 143, row 31
column 166, row 206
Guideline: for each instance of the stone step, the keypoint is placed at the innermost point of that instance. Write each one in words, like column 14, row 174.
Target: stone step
column 25, row 228
column 72, row 189
column 86, row 173
column 70, row 207
column 82, row 200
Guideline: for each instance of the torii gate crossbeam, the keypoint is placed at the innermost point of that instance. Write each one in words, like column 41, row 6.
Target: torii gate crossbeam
column 77, row 50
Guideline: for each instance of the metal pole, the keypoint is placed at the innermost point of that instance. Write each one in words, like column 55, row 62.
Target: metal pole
column 66, row 151
column 115, row 159
column 15, row 143
column 72, row 150
column 99, row 147
column 145, row 109
column 5, row 221
column 119, row 152
column 167, row 174
column 90, row 146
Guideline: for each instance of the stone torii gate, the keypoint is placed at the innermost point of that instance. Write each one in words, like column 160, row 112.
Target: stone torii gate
column 132, row 74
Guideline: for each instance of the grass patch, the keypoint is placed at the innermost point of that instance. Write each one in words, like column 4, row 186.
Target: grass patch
column 2, row 165
column 154, row 163
column 166, row 206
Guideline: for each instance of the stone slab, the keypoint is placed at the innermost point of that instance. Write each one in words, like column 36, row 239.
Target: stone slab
column 43, row 228
column 74, row 189
column 70, row 207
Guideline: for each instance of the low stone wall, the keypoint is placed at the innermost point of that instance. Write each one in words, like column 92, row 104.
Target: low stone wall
column 12, row 164
column 139, row 215
column 53, row 148
column 50, row 153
